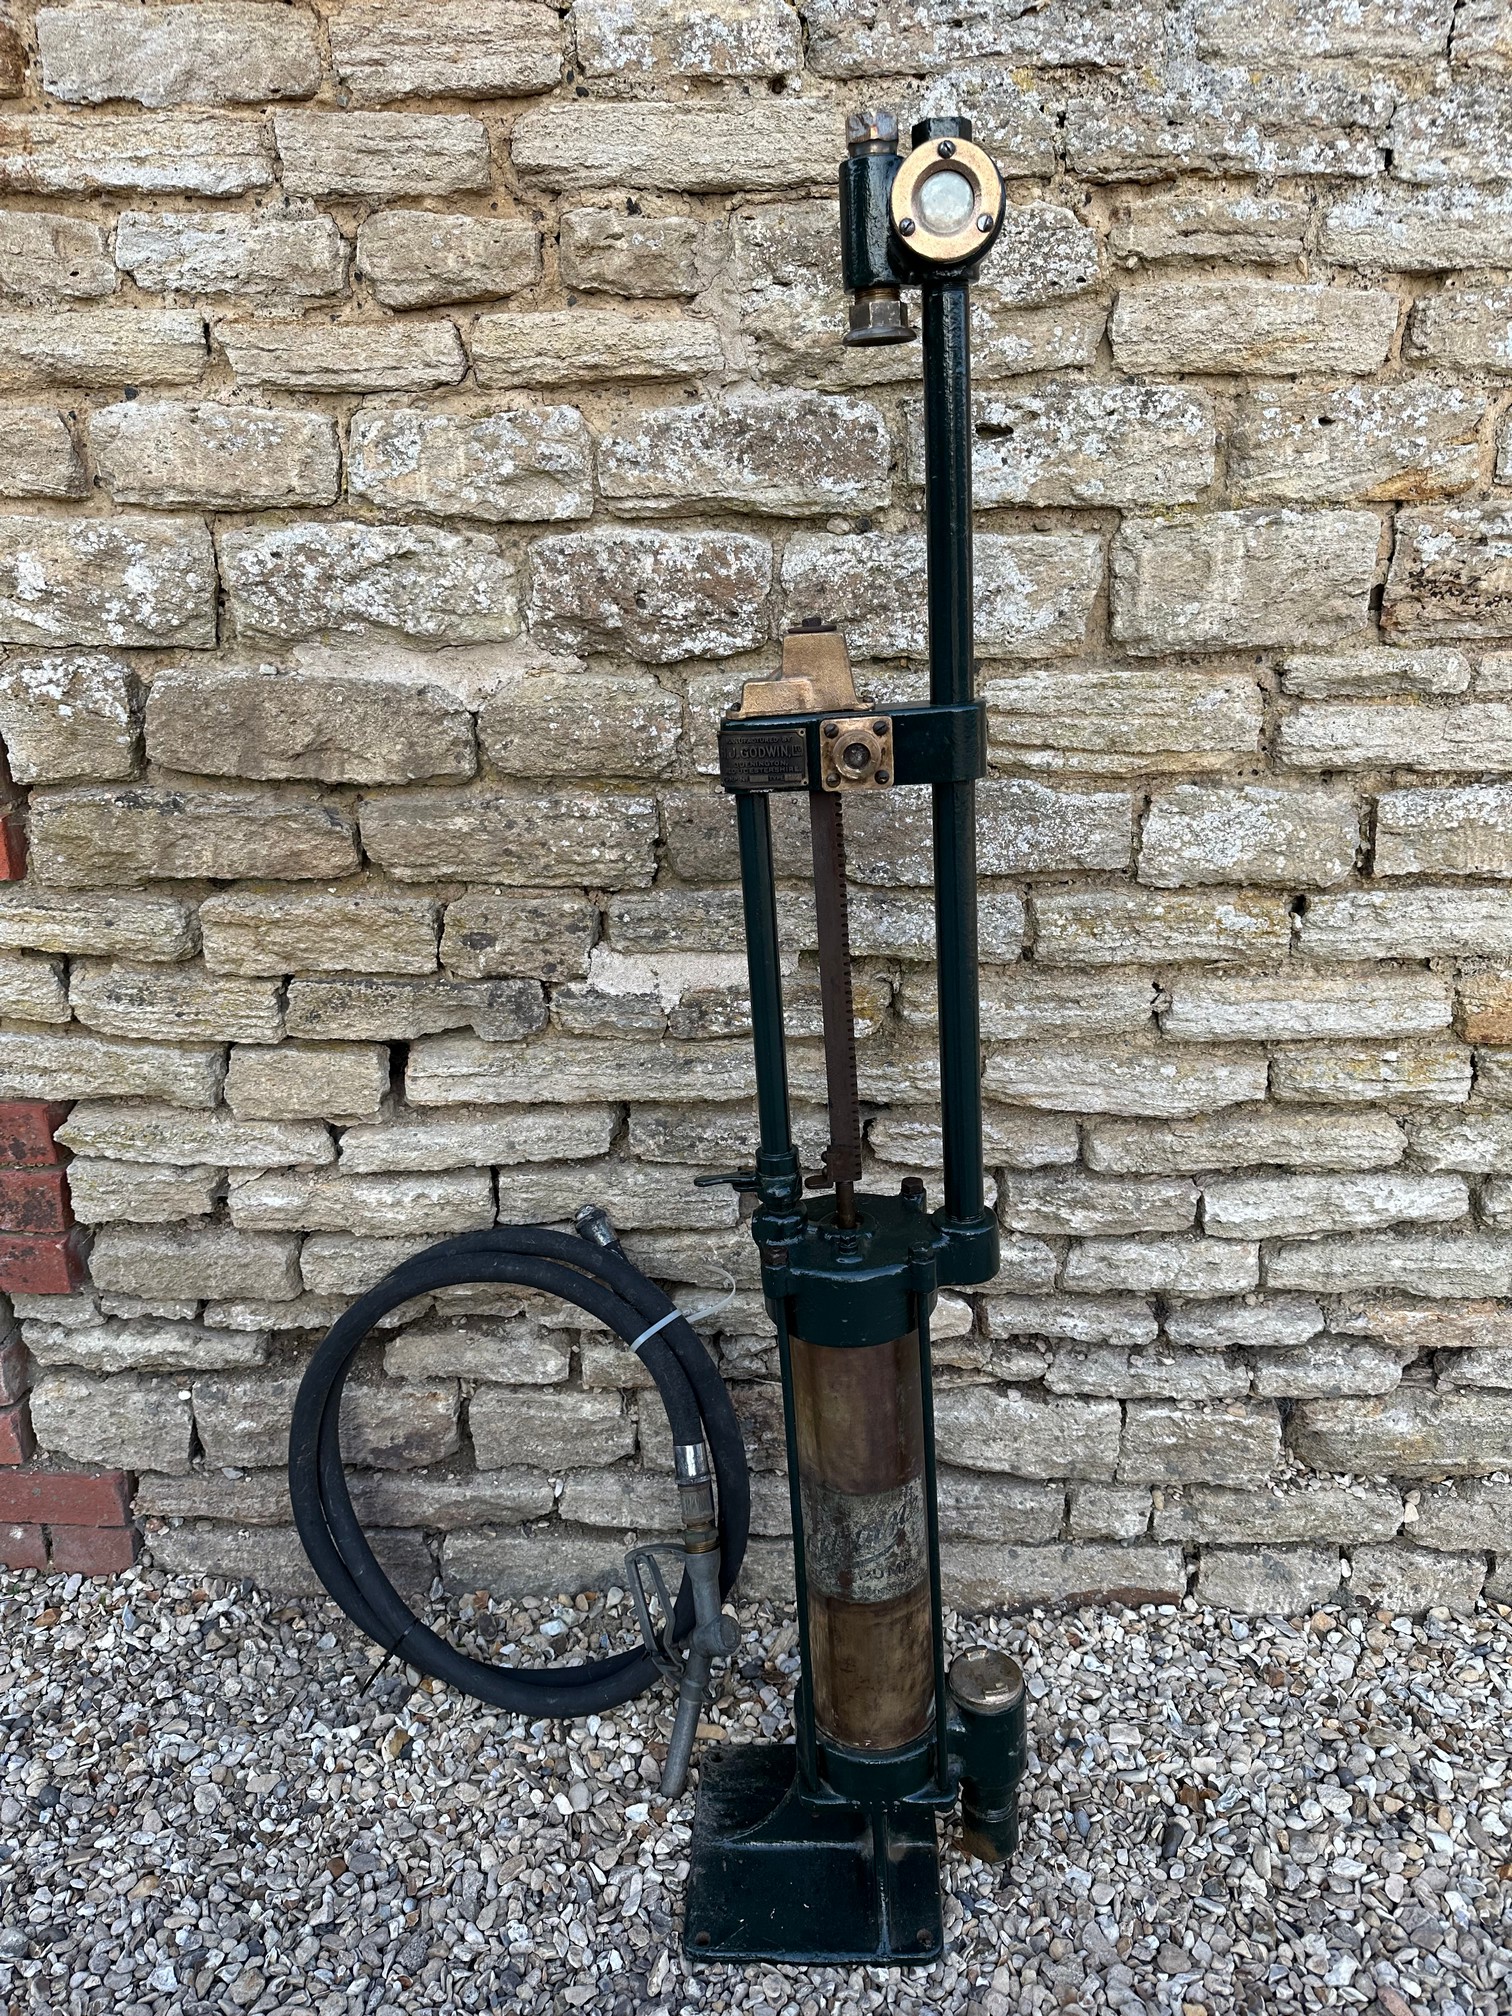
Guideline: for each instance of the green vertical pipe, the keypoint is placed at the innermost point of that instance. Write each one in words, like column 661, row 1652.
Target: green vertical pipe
column 947, row 504
column 758, row 890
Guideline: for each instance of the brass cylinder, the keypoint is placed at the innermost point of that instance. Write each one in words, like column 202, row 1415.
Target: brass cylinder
column 860, row 1422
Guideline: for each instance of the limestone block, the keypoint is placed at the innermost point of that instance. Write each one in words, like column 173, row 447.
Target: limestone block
column 68, row 715
column 552, row 1430
column 1392, row 229
column 128, row 1420
column 44, row 1064
column 225, row 458
column 1485, row 1004
column 32, row 988
column 323, row 1200
column 1186, row 223
column 1418, row 1263
column 134, row 927
column 1473, row 1513
column 1297, row 1004
column 1171, row 1265
column 603, row 251
column 336, row 1264
column 788, row 453
column 1251, row 833
column 1462, row 133
column 144, row 1344
column 307, row 1081
column 977, row 1578
column 148, row 1132
column 461, row 1071
column 1239, row 578
column 1151, row 1080
column 974, row 1507
column 1125, row 1320
column 140, row 1193
column 361, row 930
column 131, row 579
column 1070, row 1204
column 573, row 346
column 1044, row 253
column 1158, row 1374
column 1109, row 927
column 660, row 596
column 1478, row 1140
column 303, row 579
column 1394, row 442
column 1091, row 445
column 1419, row 923
column 1317, row 1139
column 464, row 49
column 37, row 454
column 1035, row 591
column 1409, row 1580
column 1268, row 1581
column 1273, row 1207
column 636, row 1195
column 126, row 834
column 1287, row 29
column 344, row 357
column 1144, row 718
column 1409, row 1433
column 196, row 1262
column 417, row 259
column 850, row 41
column 1327, row 1368
column 226, row 52
column 490, row 1137
column 1407, row 735
column 170, row 1004
column 1278, row 120
column 379, row 155
column 204, row 153
column 527, row 933
column 687, row 38
column 1173, row 1443
column 1108, row 1512
column 1262, row 328
column 1008, row 1430
column 580, row 724
column 1431, row 669
column 1279, row 1323
column 44, row 253
column 1027, row 1000
column 298, row 257
column 713, row 146
column 1462, row 831
column 340, row 724
column 1447, row 574
column 244, row 1421
column 398, row 1010
column 1463, row 328
column 517, row 1352
column 503, row 465
column 1200, row 1514
column 1346, row 1075
column 514, row 834
column 101, row 348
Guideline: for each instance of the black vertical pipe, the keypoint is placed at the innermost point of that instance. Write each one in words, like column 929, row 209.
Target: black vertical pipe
column 758, row 891
column 947, row 506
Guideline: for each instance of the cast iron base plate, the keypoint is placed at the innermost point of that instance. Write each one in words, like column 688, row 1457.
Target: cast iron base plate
column 774, row 1878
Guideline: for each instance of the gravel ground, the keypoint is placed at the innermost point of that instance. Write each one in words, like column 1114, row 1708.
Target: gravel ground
column 209, row 1801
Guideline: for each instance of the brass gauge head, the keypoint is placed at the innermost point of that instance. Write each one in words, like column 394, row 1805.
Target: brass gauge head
column 946, row 202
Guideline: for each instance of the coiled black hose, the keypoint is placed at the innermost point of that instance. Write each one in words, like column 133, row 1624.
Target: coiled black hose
column 599, row 1279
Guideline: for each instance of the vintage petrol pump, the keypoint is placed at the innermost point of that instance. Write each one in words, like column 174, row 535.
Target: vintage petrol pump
column 823, row 1849
column 826, row 1849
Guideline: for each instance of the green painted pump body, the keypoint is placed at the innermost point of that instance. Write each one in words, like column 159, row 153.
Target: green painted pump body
column 825, row 1849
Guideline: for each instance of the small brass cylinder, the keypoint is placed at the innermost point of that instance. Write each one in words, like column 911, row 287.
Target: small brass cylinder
column 860, row 1425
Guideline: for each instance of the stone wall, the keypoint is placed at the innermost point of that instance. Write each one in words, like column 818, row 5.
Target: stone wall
column 416, row 421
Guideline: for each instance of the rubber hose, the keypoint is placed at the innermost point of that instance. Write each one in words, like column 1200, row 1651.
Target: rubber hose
column 597, row 1279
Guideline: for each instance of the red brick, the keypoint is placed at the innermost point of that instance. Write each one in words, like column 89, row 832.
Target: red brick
column 93, row 1550
column 12, row 849
column 30, row 1266
column 66, row 1497
column 23, row 1547
column 27, row 1127
column 15, row 1370
column 34, row 1200
column 17, row 1443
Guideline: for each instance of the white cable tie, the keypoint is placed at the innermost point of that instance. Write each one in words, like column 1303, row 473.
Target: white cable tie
column 693, row 1315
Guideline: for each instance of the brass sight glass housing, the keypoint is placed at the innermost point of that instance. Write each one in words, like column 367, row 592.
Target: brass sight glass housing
column 946, row 200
